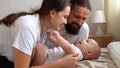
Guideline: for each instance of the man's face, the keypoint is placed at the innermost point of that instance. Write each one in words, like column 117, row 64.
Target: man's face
column 76, row 18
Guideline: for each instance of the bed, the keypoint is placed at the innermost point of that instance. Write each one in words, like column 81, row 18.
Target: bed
column 109, row 58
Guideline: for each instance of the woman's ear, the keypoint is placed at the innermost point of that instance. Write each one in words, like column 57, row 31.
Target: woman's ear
column 52, row 13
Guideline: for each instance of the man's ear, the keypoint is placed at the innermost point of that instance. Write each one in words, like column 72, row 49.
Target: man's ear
column 52, row 13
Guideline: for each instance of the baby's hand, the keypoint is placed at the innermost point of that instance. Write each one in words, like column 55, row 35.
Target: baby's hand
column 54, row 36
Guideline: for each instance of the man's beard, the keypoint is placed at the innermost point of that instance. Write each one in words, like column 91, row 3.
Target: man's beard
column 72, row 28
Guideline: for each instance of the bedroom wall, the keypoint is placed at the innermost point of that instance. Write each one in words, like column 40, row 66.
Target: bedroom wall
column 10, row 6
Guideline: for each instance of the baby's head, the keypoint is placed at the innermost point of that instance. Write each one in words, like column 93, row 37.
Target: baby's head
column 90, row 48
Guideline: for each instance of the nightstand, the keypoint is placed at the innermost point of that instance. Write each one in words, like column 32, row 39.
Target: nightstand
column 103, row 40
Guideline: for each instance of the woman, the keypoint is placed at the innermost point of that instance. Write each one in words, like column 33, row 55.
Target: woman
column 27, row 29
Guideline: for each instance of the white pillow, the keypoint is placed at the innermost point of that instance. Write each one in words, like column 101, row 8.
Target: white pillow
column 114, row 51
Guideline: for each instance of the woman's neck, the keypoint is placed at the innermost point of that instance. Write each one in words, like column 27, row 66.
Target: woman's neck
column 45, row 24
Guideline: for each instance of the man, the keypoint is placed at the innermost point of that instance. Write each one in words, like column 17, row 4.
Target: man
column 76, row 27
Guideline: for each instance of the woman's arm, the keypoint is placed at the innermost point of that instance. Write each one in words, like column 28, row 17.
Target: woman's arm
column 22, row 60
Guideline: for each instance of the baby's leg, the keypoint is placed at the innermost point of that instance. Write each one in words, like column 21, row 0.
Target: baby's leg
column 39, row 55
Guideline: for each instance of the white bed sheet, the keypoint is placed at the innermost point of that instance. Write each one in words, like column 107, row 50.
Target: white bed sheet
column 104, row 61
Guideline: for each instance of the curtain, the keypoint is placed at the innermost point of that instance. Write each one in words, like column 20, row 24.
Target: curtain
column 112, row 8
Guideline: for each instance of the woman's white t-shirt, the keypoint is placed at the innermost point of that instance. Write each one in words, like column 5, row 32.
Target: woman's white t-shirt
column 25, row 33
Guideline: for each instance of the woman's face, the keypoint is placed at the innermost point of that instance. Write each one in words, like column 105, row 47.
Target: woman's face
column 60, row 18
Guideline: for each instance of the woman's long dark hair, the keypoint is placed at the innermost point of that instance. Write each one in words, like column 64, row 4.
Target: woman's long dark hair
column 8, row 20
column 46, row 7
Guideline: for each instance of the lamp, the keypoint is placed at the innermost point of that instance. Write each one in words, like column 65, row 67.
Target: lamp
column 98, row 16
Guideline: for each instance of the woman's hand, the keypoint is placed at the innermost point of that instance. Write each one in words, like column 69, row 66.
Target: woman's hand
column 69, row 61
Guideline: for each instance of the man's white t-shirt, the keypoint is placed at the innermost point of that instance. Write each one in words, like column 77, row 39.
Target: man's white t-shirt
column 83, row 34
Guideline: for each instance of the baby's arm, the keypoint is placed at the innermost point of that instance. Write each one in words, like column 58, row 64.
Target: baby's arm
column 59, row 40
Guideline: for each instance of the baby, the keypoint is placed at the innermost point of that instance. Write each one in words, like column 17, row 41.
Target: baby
column 84, row 49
